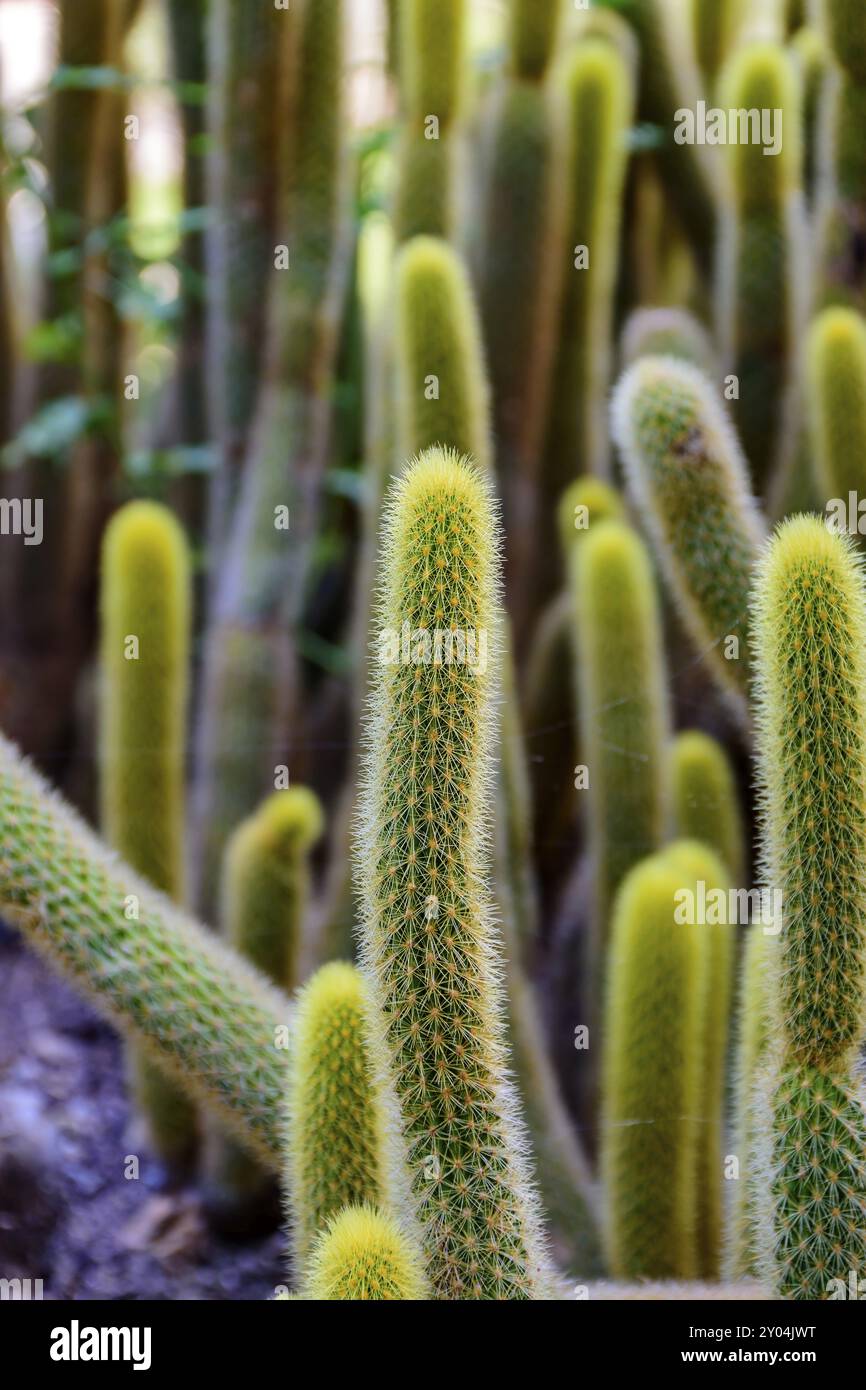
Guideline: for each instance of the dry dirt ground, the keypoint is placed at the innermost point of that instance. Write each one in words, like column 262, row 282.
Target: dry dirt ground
column 68, row 1215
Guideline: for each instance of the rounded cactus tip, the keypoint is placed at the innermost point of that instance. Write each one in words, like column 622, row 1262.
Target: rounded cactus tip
column 363, row 1255
column 146, row 525
column 293, row 818
column 761, row 77
column 585, row 502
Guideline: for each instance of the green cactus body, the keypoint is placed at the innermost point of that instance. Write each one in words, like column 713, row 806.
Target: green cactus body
column 705, row 802
column 427, row 939
column 264, row 898
column 715, row 29
column 652, row 1078
column 811, row 60
column 442, row 393
column 250, row 680
column 519, row 285
column 670, row 81
column 597, row 92
column 716, row 947
column 688, row 477
column 841, row 203
column 364, row 1256
column 752, row 1036
column 761, row 272
column 204, row 1014
column 533, row 30
column 432, row 44
column 810, row 630
column 144, row 657
column 623, row 709
column 336, row 1153
column 667, row 333
column 836, row 387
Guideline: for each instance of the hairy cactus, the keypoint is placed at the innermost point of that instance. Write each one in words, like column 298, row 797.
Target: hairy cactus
column 667, row 333
column 705, row 802
column 336, row 1154
column 810, row 630
column 427, row 939
column 442, row 393
column 761, row 304
column 836, row 387
column 432, row 44
column 204, row 1014
column 597, row 92
column 752, row 1035
column 654, row 1068
column 688, row 477
column 623, row 709
column 144, row 658
column 264, row 896
column 363, row 1256
column 716, row 945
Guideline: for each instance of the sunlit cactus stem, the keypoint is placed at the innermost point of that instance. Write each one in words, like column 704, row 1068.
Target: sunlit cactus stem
column 364, row 1256
column 705, row 799
column 836, row 398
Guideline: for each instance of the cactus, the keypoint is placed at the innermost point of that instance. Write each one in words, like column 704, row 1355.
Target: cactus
column 250, row 678
column 810, row 630
column 520, row 273
column 688, row 477
column 670, row 81
column 811, row 61
column 336, row 1154
column 667, row 333
column 598, row 96
column 752, row 1033
column 205, row 1015
column 841, row 209
column 705, row 802
column 362, row 1256
column 761, row 303
column 263, row 901
column 653, row 1069
column 432, row 42
column 442, row 393
column 145, row 641
column 426, row 920
column 623, row 708
column 716, row 945
column 715, row 28
column 836, row 394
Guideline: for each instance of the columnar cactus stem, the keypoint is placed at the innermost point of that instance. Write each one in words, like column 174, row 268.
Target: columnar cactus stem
column 687, row 475
column 597, row 92
column 715, row 28
column 432, row 44
column 263, row 903
column 623, row 707
column 836, row 394
column 667, row 333
column 762, row 279
column 841, row 209
column 705, row 801
column 336, row 1153
column 812, row 61
column 810, row 632
column 653, row 1069
column 442, row 394
column 204, row 1014
column 427, row 939
column 364, row 1256
column 144, row 657
column 752, row 1033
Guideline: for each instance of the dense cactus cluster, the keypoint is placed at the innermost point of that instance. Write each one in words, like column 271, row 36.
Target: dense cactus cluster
column 484, row 659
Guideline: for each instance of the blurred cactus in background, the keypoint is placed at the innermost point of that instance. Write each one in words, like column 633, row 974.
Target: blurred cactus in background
column 429, row 376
